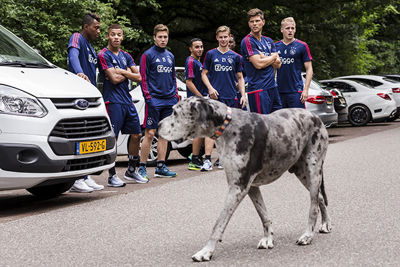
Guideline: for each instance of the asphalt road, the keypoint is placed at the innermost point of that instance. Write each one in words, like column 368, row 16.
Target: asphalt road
column 166, row 221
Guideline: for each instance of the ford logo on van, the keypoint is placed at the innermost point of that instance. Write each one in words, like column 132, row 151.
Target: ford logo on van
column 81, row 104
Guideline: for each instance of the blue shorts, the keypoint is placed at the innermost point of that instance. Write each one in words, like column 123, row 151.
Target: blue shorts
column 264, row 101
column 292, row 100
column 154, row 114
column 124, row 118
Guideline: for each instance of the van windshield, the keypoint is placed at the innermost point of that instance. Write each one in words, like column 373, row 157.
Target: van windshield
column 14, row 52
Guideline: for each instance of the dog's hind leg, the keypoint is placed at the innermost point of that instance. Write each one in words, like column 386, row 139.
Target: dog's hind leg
column 300, row 169
column 257, row 199
column 309, row 171
column 232, row 201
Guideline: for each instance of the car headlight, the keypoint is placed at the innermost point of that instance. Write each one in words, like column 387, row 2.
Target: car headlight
column 17, row 102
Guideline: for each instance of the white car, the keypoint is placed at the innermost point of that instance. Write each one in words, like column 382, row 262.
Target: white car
column 184, row 148
column 365, row 103
column 379, row 82
column 54, row 127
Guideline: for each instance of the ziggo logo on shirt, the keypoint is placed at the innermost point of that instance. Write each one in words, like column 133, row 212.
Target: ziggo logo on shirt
column 287, row 60
column 219, row 67
column 163, row 69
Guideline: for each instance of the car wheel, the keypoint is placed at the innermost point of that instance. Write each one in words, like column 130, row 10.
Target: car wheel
column 153, row 154
column 52, row 190
column 359, row 115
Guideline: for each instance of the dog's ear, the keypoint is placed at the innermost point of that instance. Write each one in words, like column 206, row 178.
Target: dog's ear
column 207, row 111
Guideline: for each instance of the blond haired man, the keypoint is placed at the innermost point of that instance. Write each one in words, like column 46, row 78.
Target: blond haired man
column 293, row 54
column 221, row 69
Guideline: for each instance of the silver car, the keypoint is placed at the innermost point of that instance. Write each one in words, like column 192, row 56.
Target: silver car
column 365, row 102
column 320, row 102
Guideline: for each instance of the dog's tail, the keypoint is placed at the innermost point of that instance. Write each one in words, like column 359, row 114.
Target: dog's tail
column 323, row 190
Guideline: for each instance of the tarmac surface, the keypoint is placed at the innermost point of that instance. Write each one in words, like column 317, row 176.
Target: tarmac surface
column 165, row 224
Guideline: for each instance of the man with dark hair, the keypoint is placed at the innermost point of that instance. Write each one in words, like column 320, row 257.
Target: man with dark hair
column 157, row 68
column 195, row 86
column 260, row 60
column 116, row 67
column 82, row 61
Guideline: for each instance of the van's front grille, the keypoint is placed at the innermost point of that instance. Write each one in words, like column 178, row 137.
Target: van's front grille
column 63, row 103
column 87, row 163
column 81, row 128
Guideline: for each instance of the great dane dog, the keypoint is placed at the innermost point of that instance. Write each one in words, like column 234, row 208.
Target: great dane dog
column 256, row 150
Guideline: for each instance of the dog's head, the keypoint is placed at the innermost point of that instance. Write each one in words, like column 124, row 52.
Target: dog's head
column 193, row 117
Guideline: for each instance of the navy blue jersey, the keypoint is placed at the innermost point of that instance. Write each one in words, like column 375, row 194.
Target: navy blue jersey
column 157, row 68
column 222, row 70
column 193, row 68
column 292, row 57
column 115, row 93
column 258, row 78
column 87, row 56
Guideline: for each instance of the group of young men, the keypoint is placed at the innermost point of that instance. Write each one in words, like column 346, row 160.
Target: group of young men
column 272, row 72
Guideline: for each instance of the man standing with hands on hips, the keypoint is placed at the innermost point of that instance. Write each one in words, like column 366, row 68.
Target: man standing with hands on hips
column 294, row 54
column 157, row 68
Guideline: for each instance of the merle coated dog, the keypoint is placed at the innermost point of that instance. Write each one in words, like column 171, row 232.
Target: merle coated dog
column 256, row 150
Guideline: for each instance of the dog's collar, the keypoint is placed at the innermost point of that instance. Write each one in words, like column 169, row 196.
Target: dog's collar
column 227, row 120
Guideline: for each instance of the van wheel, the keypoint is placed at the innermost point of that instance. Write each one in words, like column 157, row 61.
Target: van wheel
column 51, row 191
column 359, row 115
column 153, row 154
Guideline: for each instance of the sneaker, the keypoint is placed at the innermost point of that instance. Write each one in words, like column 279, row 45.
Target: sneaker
column 115, row 181
column 142, row 172
column 133, row 175
column 194, row 167
column 207, row 166
column 164, row 172
column 91, row 183
column 218, row 164
column 81, row 187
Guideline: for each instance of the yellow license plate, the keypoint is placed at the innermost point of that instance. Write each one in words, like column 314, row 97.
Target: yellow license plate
column 91, row 146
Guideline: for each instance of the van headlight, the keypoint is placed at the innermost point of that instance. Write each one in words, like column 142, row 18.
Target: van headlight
column 17, row 102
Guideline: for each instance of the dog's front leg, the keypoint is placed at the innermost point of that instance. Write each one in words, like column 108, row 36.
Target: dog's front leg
column 234, row 197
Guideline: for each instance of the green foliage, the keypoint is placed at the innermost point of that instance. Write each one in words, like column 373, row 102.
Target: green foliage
column 344, row 36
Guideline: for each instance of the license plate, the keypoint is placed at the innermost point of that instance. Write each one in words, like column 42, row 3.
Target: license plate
column 91, row 146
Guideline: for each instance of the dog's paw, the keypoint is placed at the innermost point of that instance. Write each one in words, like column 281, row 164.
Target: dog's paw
column 265, row 243
column 326, row 228
column 202, row 255
column 305, row 239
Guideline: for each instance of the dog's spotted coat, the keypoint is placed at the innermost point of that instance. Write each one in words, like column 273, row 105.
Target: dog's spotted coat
column 256, row 150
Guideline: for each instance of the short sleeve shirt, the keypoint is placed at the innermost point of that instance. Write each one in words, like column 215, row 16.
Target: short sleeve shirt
column 222, row 69
column 115, row 93
column 258, row 78
column 293, row 56
column 193, row 69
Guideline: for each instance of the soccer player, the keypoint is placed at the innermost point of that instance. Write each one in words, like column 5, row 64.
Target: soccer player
column 195, row 86
column 293, row 54
column 82, row 61
column 260, row 60
column 116, row 67
column 221, row 69
column 157, row 67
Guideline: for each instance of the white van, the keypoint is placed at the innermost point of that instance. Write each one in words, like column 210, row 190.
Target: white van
column 54, row 127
